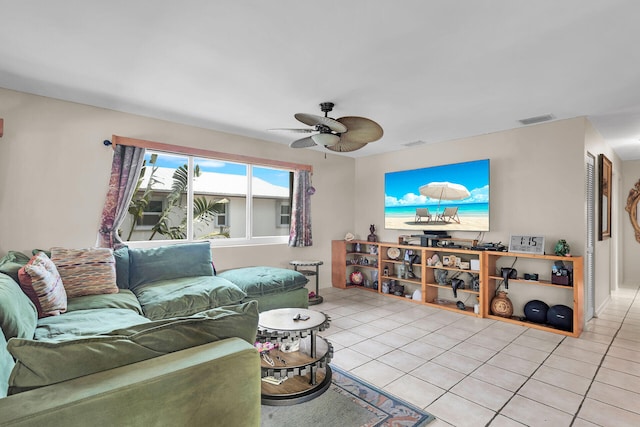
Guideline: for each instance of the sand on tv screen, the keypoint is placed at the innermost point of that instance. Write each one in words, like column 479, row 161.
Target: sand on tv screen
column 452, row 197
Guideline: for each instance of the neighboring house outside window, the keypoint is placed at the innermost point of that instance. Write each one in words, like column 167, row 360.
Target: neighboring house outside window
column 182, row 197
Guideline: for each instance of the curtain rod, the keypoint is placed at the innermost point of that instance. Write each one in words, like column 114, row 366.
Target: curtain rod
column 241, row 158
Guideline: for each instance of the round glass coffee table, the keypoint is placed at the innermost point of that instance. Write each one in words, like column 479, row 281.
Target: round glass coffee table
column 297, row 369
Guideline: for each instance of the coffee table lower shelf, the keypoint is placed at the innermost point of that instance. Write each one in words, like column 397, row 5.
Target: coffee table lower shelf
column 296, row 389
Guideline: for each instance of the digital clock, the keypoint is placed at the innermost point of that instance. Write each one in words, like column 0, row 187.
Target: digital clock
column 527, row 244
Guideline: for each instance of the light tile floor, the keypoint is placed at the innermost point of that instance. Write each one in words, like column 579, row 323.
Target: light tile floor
column 480, row 372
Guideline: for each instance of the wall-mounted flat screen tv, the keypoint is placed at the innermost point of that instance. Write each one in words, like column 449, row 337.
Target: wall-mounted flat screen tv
column 452, row 197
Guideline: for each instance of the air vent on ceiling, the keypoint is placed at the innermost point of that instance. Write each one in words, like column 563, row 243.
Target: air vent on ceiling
column 414, row 143
column 537, row 119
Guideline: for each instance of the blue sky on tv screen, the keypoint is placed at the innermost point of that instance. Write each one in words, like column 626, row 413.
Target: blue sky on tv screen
column 402, row 187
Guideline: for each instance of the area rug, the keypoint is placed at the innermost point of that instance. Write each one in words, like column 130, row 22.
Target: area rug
column 348, row 402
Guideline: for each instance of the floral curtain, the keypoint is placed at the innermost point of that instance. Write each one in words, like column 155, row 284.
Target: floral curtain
column 300, row 231
column 125, row 171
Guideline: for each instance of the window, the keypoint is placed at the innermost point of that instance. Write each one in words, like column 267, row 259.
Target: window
column 222, row 217
column 185, row 197
column 284, row 214
column 150, row 215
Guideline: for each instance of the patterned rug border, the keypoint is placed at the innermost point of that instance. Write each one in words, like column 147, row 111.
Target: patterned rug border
column 389, row 409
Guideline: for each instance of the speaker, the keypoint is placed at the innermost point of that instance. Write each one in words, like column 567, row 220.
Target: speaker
column 536, row 311
column 561, row 317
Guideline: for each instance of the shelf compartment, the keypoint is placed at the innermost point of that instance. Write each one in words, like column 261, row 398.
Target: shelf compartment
column 451, row 306
column 374, row 267
column 534, row 282
column 453, row 269
column 468, row 291
column 417, row 281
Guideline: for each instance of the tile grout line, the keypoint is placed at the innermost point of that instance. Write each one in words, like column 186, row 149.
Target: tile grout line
column 498, row 412
column 448, row 390
column 584, row 397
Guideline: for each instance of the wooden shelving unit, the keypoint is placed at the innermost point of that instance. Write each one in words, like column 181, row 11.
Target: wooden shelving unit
column 345, row 258
column 545, row 263
column 433, row 293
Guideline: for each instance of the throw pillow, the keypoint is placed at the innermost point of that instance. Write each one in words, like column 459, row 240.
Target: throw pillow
column 169, row 262
column 12, row 262
column 122, row 266
column 18, row 315
column 40, row 363
column 39, row 279
column 86, row 271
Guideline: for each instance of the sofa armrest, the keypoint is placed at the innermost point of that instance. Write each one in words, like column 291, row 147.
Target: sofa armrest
column 216, row 383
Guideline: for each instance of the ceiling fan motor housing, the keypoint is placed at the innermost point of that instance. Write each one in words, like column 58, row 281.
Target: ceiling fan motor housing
column 325, row 107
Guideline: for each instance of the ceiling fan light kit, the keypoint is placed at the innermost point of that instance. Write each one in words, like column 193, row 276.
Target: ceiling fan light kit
column 325, row 139
column 342, row 135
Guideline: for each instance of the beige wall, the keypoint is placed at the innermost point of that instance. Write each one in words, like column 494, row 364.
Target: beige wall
column 54, row 174
column 537, row 188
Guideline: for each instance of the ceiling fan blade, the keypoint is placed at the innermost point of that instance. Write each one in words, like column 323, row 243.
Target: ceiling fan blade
column 360, row 130
column 345, row 146
column 303, row 143
column 292, row 130
column 313, row 120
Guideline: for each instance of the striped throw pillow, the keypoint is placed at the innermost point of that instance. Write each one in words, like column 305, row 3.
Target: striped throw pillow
column 40, row 281
column 89, row 271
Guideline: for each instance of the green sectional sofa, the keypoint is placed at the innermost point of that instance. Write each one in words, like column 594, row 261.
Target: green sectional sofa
column 171, row 345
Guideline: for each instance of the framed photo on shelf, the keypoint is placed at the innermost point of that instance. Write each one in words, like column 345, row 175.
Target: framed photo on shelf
column 604, row 197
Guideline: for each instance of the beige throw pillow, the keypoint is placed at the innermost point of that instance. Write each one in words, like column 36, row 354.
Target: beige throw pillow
column 89, row 271
column 40, row 280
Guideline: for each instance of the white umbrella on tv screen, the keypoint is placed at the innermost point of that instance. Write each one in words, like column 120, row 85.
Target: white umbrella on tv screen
column 444, row 191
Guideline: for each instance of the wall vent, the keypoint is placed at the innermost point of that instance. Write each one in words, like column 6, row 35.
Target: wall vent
column 537, row 119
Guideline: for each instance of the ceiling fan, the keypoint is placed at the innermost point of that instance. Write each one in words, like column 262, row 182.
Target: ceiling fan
column 344, row 134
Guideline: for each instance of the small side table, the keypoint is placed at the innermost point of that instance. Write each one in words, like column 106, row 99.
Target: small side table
column 317, row 299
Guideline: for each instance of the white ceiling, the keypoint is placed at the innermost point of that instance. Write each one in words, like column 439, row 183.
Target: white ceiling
column 426, row 70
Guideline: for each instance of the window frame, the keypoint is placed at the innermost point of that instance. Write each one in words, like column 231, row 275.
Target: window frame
column 216, row 155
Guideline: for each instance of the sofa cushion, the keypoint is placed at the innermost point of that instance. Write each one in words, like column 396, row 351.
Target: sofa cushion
column 83, row 323
column 39, row 363
column 123, row 299
column 259, row 281
column 186, row 296
column 39, row 279
column 18, row 315
column 12, row 262
column 6, row 365
column 90, row 271
column 121, row 256
column 169, row 262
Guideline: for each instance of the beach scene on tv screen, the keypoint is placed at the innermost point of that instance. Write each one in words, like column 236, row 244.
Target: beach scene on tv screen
column 448, row 197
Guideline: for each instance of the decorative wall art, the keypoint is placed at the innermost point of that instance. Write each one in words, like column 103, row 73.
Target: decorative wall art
column 604, row 197
column 632, row 208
